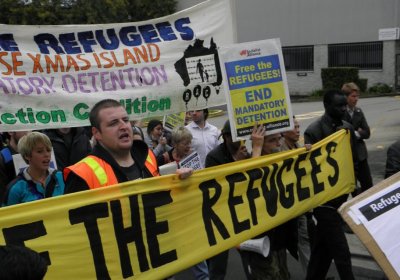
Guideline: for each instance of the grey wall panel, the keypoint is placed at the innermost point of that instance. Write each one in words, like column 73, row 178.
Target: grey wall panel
column 312, row 22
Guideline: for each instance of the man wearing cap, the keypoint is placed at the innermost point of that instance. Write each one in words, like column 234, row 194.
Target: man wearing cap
column 227, row 152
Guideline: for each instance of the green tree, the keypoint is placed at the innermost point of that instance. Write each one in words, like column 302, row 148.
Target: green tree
column 82, row 11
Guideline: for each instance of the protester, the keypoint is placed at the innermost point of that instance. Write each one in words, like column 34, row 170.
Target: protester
column 115, row 154
column 290, row 138
column 274, row 266
column 38, row 180
column 137, row 126
column 7, row 169
column 356, row 117
column 205, row 138
column 155, row 138
column 393, row 159
column 181, row 146
column 70, row 145
column 290, row 141
column 21, row 263
column 330, row 240
column 227, row 152
column 137, row 135
column 205, row 135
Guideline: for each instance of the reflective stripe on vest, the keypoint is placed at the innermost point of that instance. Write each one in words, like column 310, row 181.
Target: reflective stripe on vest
column 151, row 164
column 94, row 171
column 99, row 171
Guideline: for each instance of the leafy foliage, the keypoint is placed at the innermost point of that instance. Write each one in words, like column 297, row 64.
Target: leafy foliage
column 335, row 77
column 41, row 12
column 380, row 88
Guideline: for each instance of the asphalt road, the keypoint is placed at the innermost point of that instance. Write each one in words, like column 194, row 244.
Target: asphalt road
column 382, row 114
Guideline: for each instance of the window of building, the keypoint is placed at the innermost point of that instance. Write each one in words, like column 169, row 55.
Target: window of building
column 299, row 58
column 361, row 55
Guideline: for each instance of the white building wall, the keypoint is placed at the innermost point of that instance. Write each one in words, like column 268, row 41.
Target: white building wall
column 318, row 23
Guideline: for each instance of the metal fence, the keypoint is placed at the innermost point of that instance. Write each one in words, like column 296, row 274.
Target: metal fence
column 298, row 58
column 365, row 56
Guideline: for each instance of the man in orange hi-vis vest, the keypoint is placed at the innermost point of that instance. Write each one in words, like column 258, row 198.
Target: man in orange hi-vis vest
column 115, row 158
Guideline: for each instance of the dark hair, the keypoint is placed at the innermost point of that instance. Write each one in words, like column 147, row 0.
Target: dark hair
column 137, row 131
column 226, row 129
column 103, row 104
column 205, row 112
column 151, row 125
column 329, row 95
column 19, row 262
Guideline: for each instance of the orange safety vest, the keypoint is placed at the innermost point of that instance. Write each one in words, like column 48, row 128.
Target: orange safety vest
column 98, row 173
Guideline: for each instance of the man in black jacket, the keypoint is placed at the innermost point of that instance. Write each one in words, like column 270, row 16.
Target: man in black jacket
column 329, row 238
column 228, row 152
column 356, row 117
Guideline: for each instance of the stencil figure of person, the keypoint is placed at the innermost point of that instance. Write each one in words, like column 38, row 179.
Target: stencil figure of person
column 200, row 70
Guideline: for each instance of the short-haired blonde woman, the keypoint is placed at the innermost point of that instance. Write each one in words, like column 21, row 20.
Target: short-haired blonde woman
column 38, row 180
column 181, row 140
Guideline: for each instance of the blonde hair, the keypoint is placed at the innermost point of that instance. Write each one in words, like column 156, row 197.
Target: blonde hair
column 28, row 142
column 348, row 88
column 180, row 134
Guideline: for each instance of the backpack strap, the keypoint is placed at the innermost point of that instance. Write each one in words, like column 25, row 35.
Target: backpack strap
column 6, row 154
column 50, row 187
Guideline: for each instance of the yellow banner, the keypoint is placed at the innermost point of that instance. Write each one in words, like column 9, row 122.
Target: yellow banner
column 153, row 228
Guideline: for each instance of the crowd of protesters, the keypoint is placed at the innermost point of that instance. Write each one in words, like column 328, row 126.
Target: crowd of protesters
column 113, row 150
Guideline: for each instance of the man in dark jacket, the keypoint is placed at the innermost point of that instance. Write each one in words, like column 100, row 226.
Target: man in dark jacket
column 356, row 117
column 70, row 145
column 329, row 238
column 227, row 152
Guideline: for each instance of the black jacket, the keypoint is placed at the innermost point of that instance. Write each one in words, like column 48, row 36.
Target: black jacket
column 69, row 154
column 359, row 121
column 139, row 152
column 322, row 128
column 393, row 159
column 219, row 155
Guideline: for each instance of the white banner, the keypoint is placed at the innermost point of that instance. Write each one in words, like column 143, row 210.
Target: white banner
column 50, row 76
